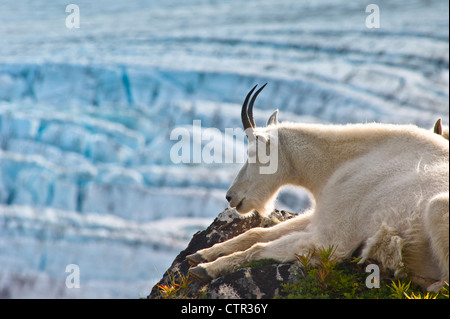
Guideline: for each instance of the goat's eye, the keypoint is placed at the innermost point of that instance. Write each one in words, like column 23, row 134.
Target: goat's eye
column 251, row 150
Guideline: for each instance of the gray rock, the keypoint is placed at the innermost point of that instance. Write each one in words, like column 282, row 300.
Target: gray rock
column 248, row 282
column 260, row 282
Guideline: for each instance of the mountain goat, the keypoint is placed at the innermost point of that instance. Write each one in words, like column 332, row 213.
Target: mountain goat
column 378, row 186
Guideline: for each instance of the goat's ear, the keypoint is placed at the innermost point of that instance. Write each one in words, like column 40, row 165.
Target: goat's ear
column 273, row 119
column 438, row 126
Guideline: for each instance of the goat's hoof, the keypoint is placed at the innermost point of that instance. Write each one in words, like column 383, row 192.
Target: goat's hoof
column 200, row 274
column 195, row 259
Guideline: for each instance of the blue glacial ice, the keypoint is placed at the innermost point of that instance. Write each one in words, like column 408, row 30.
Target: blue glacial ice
column 86, row 115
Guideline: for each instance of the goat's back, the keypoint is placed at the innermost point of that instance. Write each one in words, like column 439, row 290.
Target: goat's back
column 391, row 183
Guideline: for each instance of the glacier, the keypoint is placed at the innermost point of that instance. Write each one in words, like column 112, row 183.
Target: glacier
column 86, row 116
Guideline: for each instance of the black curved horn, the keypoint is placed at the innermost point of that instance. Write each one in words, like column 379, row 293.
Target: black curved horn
column 250, row 107
column 244, row 115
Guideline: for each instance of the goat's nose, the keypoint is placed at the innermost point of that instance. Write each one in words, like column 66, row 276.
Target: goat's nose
column 228, row 197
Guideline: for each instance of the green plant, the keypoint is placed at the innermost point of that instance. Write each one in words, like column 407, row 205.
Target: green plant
column 325, row 279
column 305, row 260
column 323, row 276
column 444, row 290
column 399, row 289
column 326, row 270
column 429, row 295
column 176, row 289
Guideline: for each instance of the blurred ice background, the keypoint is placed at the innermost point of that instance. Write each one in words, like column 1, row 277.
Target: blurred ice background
column 86, row 115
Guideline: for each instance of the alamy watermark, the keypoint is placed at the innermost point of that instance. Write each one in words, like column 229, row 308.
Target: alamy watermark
column 221, row 148
column 373, row 19
column 73, row 278
column 373, row 279
column 73, row 19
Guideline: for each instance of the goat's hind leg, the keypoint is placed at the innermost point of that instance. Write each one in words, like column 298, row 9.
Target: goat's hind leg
column 437, row 227
column 249, row 238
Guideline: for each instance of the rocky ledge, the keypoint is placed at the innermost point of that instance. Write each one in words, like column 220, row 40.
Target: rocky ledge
column 256, row 282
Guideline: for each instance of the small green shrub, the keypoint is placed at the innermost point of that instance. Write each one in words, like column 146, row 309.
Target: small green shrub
column 330, row 279
column 174, row 289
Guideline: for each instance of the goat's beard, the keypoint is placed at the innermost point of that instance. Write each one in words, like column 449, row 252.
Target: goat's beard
column 266, row 210
column 267, row 207
column 260, row 200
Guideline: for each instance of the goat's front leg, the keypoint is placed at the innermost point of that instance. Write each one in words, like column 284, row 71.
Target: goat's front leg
column 250, row 238
column 282, row 249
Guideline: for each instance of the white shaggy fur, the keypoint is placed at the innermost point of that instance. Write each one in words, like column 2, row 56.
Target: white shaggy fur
column 382, row 186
